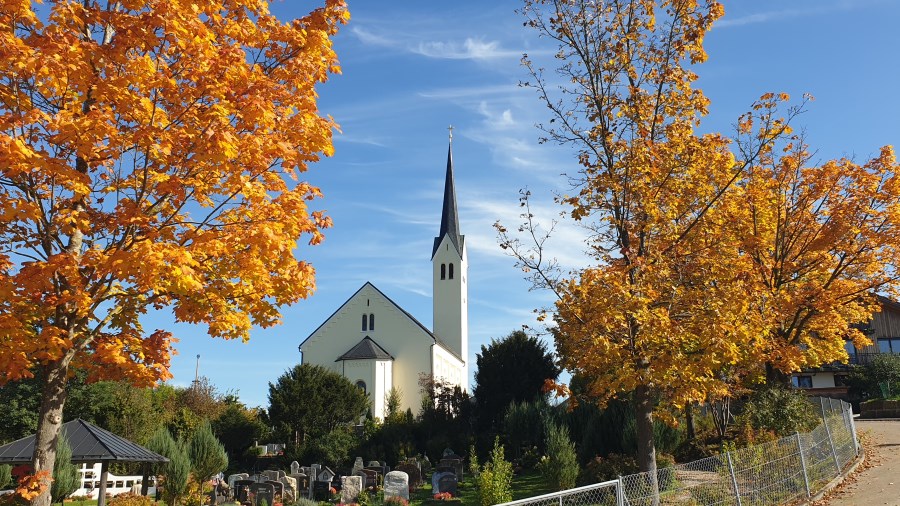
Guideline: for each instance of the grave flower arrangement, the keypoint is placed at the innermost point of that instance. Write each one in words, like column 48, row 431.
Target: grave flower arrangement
column 443, row 496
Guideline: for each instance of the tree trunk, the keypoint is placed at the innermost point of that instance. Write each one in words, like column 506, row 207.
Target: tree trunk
column 49, row 423
column 646, row 448
column 689, row 420
column 775, row 377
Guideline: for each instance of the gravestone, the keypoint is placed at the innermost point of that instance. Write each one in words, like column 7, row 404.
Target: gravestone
column 357, row 465
column 445, row 469
column 326, row 474
column 302, row 487
column 313, row 477
column 425, row 465
column 448, row 453
column 351, row 486
column 290, row 489
column 412, row 471
column 242, row 490
column 270, row 475
column 371, row 482
column 436, row 480
column 374, row 463
column 448, row 483
column 379, row 473
column 396, row 484
column 278, row 488
column 233, row 478
column 456, row 464
column 321, row 490
column 263, row 492
column 295, row 467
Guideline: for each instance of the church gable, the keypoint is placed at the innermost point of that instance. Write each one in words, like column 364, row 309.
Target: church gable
column 367, row 313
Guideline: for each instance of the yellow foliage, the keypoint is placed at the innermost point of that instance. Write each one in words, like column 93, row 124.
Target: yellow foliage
column 714, row 256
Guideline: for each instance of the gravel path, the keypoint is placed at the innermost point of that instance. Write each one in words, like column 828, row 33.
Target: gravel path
column 877, row 481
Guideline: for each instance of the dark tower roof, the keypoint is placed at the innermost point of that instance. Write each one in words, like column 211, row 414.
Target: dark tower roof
column 449, row 216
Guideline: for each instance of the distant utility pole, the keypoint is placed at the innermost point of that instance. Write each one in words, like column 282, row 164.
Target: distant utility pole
column 197, row 373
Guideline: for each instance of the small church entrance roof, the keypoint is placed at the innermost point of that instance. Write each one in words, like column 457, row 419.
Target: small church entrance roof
column 89, row 444
column 365, row 350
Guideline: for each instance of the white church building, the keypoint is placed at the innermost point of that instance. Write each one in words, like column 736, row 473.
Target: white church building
column 378, row 345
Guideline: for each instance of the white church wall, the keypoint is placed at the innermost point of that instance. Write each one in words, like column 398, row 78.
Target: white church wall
column 448, row 367
column 394, row 331
column 383, row 384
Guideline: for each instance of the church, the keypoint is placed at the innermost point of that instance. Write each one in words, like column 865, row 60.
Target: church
column 378, row 345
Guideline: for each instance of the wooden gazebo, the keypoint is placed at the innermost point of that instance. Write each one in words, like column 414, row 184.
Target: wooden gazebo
column 90, row 444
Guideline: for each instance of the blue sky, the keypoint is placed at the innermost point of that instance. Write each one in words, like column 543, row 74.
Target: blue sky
column 412, row 68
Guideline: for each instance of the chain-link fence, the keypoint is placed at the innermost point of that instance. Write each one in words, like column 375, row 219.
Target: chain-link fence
column 763, row 475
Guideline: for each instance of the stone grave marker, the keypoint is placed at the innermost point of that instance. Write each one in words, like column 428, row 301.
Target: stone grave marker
column 302, row 487
column 412, row 471
column 326, row 474
column 379, row 474
column 295, row 467
column 290, row 489
column 269, row 475
column 321, row 490
column 279, row 490
column 233, row 478
column 396, row 484
column 263, row 492
column 436, row 479
column 357, row 465
column 448, row 483
column 242, row 490
column 456, row 464
column 351, row 486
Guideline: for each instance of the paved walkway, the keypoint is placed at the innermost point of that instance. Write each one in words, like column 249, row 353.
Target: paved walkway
column 877, row 481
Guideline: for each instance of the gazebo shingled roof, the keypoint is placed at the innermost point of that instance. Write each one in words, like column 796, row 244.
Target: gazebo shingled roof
column 89, row 444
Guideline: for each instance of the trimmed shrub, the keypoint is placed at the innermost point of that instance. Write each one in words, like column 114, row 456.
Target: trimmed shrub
column 5, row 475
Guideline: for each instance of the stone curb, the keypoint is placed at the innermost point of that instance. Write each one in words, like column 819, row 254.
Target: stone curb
column 837, row 480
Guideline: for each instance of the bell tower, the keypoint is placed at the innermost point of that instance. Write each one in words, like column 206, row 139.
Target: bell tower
column 450, row 270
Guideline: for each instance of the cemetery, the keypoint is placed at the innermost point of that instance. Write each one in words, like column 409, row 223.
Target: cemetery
column 411, row 481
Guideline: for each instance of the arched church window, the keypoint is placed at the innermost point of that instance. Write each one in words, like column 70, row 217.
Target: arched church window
column 450, row 273
column 365, row 323
column 361, row 385
column 443, row 271
column 372, row 321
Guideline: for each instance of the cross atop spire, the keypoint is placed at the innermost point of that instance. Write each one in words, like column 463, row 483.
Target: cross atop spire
column 450, row 128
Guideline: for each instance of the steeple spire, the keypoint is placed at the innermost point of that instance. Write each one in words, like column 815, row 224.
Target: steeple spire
column 449, row 216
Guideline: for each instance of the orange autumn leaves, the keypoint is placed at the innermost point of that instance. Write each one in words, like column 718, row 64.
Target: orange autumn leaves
column 150, row 155
column 715, row 257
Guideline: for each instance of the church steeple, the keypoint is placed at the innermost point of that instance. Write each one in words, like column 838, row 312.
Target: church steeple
column 449, row 216
column 450, row 268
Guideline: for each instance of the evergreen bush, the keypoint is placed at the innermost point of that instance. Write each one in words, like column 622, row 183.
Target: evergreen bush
column 495, row 479
column 65, row 474
column 560, row 465
column 5, row 476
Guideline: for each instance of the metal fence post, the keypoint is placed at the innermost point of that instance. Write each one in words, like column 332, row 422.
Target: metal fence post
column 803, row 464
column 853, row 430
column 737, row 492
column 837, row 464
column 620, row 493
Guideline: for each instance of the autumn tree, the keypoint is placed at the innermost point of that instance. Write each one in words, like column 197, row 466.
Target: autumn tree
column 824, row 240
column 149, row 158
column 689, row 231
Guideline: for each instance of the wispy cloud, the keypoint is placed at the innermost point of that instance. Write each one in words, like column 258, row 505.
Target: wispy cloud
column 469, row 49
column 786, row 14
column 460, row 48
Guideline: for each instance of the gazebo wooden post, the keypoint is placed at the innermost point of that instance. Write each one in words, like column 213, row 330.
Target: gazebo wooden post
column 104, row 474
column 145, row 480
